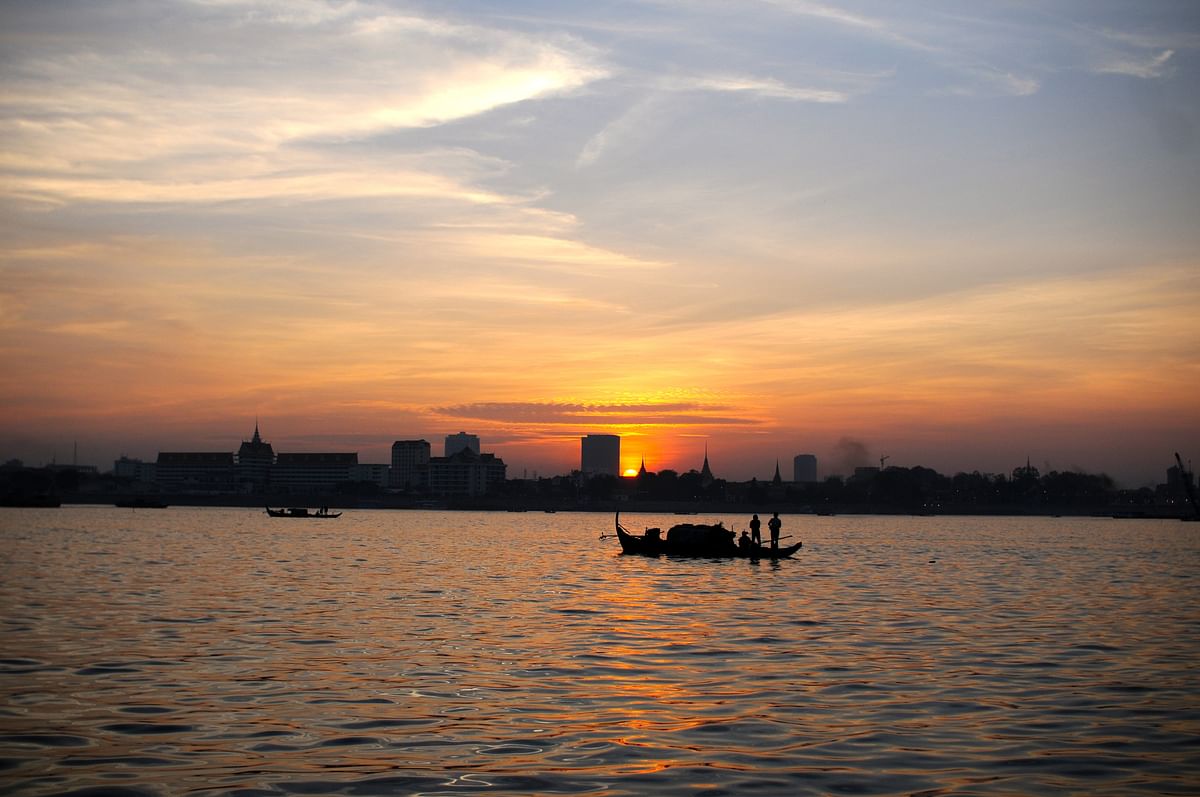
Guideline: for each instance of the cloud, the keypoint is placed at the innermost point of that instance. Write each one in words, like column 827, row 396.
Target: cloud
column 770, row 88
column 237, row 92
column 576, row 415
column 632, row 121
column 1147, row 67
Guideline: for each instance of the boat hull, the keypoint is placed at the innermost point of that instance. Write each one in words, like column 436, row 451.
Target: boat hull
column 300, row 512
column 645, row 545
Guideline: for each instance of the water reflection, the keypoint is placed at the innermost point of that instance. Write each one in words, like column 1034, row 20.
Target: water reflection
column 213, row 650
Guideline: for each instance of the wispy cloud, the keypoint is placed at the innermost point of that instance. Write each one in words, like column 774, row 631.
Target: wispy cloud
column 233, row 90
column 577, row 415
column 769, row 88
column 1147, row 67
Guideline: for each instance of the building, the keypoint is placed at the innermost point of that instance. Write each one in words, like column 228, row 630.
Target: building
column 410, row 465
column 254, row 462
column 371, row 473
column 460, row 441
column 198, row 472
column 706, row 474
column 465, row 473
column 312, row 473
column 134, row 470
column 600, row 455
column 804, row 468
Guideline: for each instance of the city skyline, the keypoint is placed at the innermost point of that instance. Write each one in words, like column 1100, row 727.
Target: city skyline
column 847, row 458
column 959, row 238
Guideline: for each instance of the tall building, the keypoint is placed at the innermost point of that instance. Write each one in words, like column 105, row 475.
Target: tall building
column 458, row 442
column 600, row 455
column 410, row 465
column 804, row 468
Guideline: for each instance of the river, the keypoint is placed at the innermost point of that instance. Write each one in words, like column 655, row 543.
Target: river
column 219, row 651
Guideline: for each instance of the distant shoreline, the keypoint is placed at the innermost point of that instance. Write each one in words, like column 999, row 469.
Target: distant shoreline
column 451, row 504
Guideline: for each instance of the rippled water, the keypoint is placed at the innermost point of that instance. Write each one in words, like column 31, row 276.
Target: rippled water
column 210, row 651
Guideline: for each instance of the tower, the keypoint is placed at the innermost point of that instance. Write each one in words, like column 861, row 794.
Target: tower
column 706, row 474
column 600, row 455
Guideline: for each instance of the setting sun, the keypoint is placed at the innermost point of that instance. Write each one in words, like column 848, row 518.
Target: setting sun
column 630, row 472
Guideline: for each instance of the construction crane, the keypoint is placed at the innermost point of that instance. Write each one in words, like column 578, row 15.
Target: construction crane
column 1186, row 477
column 883, row 459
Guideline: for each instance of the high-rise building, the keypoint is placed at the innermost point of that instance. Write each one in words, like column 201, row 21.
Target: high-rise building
column 804, row 468
column 459, row 442
column 410, row 464
column 600, row 455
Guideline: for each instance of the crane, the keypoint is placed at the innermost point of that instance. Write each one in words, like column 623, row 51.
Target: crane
column 883, row 459
column 1186, row 477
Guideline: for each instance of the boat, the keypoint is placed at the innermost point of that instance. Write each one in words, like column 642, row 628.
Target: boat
column 31, row 501
column 300, row 511
column 712, row 541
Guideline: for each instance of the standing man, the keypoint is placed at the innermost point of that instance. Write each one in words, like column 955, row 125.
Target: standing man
column 756, row 531
column 774, row 524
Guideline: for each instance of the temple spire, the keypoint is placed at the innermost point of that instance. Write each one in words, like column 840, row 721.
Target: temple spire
column 706, row 476
column 778, row 479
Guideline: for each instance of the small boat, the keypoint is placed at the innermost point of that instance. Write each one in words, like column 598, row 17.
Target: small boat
column 690, row 539
column 300, row 511
column 31, row 501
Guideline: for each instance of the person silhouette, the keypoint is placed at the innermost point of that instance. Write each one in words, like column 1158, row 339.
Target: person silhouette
column 756, row 530
column 775, row 524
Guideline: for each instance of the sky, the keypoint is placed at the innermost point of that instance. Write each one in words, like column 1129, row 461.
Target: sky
column 958, row 235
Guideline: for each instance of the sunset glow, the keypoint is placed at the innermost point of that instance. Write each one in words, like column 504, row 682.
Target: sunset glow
column 959, row 240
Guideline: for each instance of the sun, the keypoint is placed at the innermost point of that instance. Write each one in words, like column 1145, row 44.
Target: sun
column 630, row 472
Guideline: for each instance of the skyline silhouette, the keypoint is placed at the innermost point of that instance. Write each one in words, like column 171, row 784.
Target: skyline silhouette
column 845, row 459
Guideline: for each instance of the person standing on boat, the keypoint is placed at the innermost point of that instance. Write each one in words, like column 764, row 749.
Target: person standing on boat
column 774, row 524
column 756, row 531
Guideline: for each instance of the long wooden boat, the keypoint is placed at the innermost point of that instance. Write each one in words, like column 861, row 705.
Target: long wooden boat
column 302, row 512
column 689, row 539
